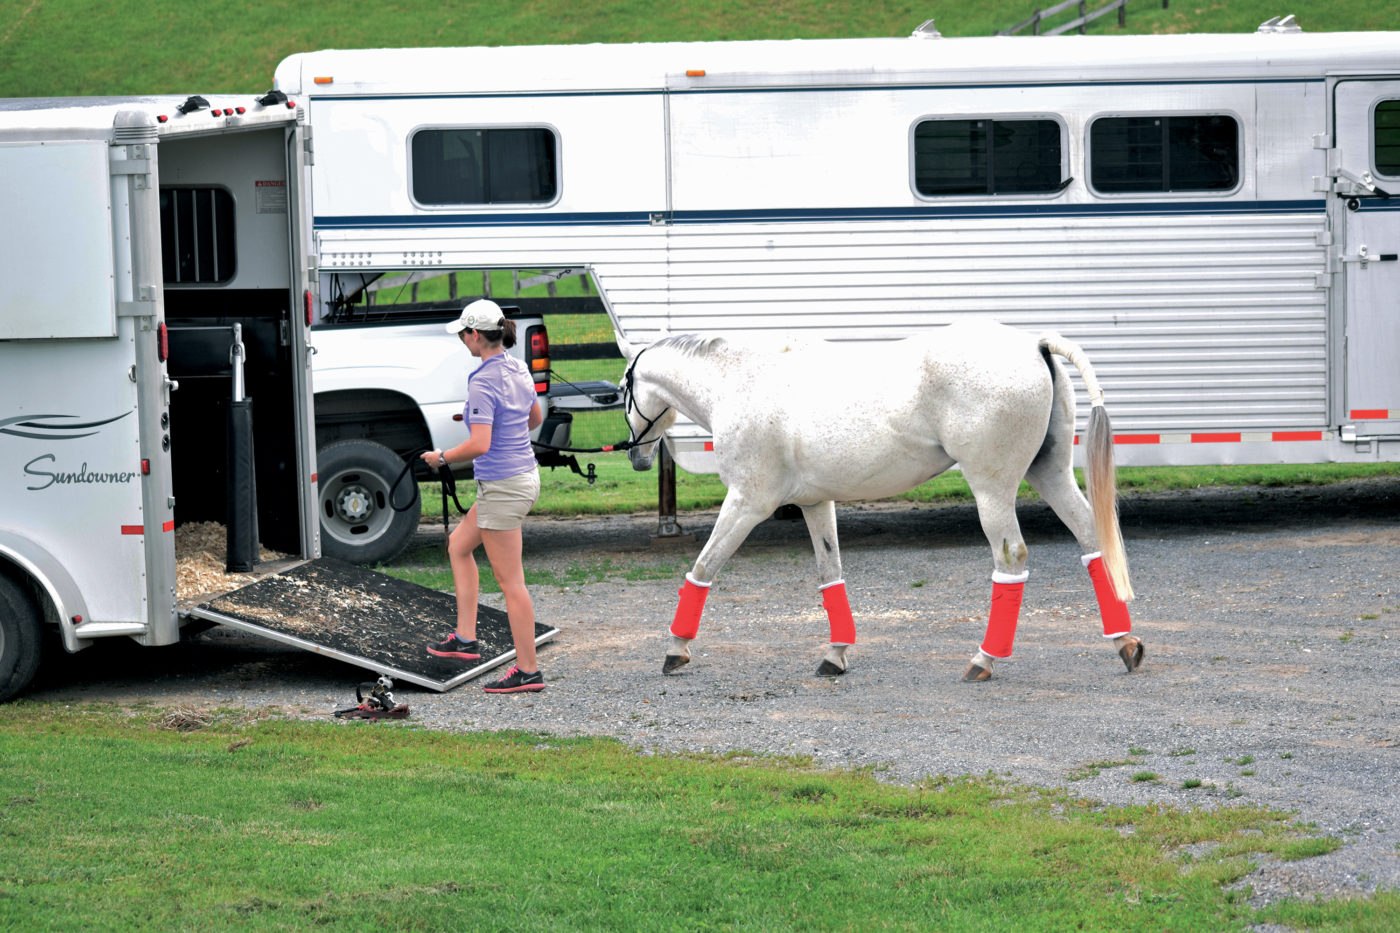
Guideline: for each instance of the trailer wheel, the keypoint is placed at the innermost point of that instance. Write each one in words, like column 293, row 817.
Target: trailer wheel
column 19, row 638
column 357, row 522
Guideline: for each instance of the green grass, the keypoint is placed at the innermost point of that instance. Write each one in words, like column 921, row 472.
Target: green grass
column 118, row 821
column 428, row 566
column 84, row 47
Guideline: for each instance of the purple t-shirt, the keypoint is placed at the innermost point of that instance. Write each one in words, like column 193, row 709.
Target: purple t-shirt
column 501, row 393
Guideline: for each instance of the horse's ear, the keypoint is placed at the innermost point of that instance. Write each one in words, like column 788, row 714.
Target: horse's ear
column 629, row 351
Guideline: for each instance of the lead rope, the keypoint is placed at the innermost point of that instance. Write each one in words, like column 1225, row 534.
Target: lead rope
column 446, row 481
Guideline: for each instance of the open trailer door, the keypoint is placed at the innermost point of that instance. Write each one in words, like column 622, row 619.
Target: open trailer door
column 364, row 618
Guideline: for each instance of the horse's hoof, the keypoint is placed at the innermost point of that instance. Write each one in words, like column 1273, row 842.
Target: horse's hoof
column 827, row 669
column 1131, row 653
column 975, row 673
column 674, row 662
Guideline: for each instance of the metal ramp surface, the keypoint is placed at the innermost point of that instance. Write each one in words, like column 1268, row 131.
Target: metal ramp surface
column 364, row 618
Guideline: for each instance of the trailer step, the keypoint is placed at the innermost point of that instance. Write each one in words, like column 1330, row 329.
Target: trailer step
column 364, row 618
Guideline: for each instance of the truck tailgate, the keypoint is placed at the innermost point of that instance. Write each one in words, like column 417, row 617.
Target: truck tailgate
column 365, row 618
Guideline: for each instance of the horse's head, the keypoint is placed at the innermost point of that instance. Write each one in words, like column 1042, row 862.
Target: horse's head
column 648, row 413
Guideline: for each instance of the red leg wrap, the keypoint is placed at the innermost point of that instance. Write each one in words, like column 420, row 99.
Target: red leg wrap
column 1001, row 626
column 838, row 614
column 687, row 620
column 1112, row 610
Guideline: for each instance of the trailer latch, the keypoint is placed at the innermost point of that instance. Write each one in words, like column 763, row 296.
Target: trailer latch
column 1364, row 256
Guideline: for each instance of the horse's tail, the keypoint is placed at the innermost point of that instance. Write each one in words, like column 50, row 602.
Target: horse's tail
column 1100, row 473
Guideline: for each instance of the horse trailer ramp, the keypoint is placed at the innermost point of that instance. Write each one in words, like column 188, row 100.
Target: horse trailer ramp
column 364, row 618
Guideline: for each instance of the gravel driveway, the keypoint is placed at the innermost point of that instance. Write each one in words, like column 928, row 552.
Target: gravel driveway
column 1271, row 617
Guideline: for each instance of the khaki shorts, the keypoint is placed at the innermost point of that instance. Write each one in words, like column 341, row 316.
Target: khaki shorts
column 502, row 504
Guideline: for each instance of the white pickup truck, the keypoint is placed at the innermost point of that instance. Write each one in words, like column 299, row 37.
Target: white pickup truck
column 389, row 381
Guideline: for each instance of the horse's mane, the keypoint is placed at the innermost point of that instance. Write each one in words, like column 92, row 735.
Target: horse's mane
column 691, row 344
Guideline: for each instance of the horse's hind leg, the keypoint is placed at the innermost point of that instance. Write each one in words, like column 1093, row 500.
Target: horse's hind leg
column 1054, row 481
column 736, row 519
column 996, row 508
column 821, row 525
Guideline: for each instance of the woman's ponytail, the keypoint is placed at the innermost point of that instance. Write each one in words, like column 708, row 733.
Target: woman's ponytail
column 505, row 336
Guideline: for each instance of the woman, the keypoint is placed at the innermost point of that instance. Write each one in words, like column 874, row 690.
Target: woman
column 501, row 411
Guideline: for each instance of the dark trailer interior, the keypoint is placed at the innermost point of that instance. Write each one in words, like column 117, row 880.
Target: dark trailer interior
column 225, row 234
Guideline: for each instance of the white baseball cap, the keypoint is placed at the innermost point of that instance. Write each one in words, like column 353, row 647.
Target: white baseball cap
column 482, row 314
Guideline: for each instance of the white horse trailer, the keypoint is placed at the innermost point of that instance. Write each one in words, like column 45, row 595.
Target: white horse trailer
column 1207, row 215
column 154, row 253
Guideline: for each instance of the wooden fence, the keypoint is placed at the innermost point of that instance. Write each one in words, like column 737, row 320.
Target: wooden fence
column 1083, row 19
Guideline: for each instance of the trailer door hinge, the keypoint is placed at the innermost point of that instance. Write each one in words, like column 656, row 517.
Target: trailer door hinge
column 142, row 305
column 131, row 166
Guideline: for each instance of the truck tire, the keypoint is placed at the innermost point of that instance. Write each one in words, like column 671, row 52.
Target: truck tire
column 358, row 524
column 19, row 638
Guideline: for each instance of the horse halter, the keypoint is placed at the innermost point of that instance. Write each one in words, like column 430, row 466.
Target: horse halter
column 632, row 440
column 630, row 404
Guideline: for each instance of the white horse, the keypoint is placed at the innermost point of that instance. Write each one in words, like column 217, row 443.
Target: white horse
column 810, row 424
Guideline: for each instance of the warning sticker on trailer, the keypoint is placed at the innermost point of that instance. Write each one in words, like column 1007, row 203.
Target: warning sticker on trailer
column 271, row 196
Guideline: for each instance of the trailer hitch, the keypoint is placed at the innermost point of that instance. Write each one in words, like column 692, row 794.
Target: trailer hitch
column 376, row 702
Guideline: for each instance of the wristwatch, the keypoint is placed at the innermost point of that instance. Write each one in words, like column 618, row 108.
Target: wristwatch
column 442, row 459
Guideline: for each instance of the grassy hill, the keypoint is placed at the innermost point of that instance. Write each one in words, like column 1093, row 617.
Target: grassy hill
column 101, row 47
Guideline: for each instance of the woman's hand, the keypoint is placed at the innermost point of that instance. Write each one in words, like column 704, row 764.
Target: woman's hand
column 432, row 458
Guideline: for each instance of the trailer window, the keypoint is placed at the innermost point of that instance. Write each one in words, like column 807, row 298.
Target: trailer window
column 196, row 235
column 1387, row 136
column 485, row 166
column 1177, row 153
column 986, row 157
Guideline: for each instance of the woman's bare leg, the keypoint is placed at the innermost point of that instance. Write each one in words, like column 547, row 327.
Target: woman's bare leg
column 466, row 581
column 503, row 550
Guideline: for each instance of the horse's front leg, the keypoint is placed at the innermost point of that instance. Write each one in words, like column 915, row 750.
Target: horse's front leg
column 821, row 525
column 736, row 519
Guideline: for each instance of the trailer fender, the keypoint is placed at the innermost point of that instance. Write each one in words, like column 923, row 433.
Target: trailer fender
column 52, row 579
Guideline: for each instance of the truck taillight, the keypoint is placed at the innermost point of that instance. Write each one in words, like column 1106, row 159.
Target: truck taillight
column 537, row 356
column 307, row 301
column 162, row 342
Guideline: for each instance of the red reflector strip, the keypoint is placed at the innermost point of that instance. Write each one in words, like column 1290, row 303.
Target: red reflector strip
column 1370, row 414
column 709, row 445
column 1137, row 438
column 541, row 387
column 313, row 477
column 1215, row 438
column 141, row 529
column 1297, row 435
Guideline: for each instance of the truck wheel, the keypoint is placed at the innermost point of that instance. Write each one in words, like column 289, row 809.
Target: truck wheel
column 19, row 638
column 357, row 522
